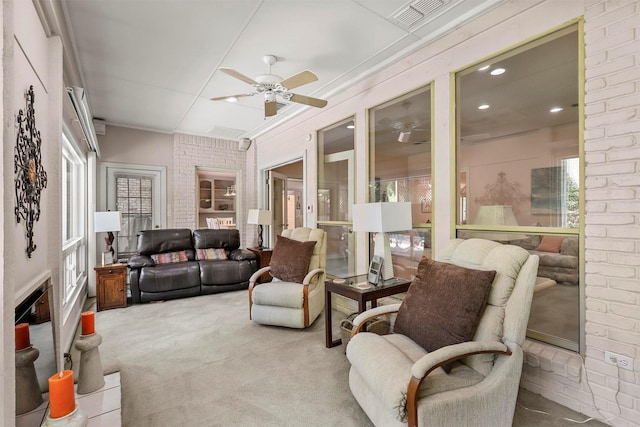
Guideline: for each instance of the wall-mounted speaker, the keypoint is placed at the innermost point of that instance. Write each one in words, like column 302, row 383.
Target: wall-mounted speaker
column 244, row 144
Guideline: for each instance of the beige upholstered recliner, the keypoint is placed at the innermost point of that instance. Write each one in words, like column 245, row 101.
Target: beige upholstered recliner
column 396, row 381
column 294, row 305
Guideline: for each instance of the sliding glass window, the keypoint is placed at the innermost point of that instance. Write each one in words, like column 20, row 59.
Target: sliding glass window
column 518, row 158
column 400, row 171
column 336, row 195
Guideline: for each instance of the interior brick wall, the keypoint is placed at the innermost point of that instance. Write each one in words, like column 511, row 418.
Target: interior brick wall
column 190, row 152
column 612, row 228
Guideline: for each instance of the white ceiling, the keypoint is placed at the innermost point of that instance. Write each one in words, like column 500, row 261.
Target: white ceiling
column 153, row 64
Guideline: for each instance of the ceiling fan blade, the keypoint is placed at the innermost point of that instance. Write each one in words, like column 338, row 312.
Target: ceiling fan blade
column 226, row 98
column 270, row 109
column 299, row 79
column 239, row 76
column 307, row 100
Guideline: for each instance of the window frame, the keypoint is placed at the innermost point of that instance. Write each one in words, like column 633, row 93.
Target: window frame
column 74, row 247
column 579, row 231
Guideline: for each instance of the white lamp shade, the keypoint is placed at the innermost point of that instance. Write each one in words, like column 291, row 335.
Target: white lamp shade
column 382, row 216
column 259, row 216
column 106, row 221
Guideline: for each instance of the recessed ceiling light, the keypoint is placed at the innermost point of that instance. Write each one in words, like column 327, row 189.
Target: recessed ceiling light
column 486, row 67
column 350, row 127
column 231, row 99
column 556, row 109
column 497, row 71
column 483, row 106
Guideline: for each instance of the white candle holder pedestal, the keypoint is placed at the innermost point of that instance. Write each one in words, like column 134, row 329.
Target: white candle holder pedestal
column 76, row 418
column 90, row 375
column 28, row 393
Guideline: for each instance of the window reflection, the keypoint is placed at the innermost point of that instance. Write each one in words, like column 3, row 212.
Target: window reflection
column 400, row 171
column 335, row 195
column 518, row 163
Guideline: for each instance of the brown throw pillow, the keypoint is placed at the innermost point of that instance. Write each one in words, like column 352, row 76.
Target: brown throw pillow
column 290, row 259
column 443, row 305
column 550, row 244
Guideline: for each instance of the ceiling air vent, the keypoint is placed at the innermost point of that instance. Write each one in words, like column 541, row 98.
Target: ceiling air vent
column 427, row 6
column 416, row 11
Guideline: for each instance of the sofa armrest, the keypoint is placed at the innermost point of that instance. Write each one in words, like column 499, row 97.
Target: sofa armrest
column 134, row 285
column 241, row 255
column 139, row 261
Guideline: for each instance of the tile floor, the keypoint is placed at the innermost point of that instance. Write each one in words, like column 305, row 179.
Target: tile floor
column 102, row 406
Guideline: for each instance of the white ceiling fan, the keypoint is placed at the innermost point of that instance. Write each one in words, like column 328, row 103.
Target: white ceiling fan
column 404, row 126
column 272, row 86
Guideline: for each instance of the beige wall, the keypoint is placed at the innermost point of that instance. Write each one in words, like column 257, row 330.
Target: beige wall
column 139, row 147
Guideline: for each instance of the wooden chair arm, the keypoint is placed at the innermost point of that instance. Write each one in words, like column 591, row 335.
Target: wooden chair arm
column 365, row 316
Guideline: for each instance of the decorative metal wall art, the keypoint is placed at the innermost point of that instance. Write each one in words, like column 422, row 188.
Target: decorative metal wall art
column 30, row 176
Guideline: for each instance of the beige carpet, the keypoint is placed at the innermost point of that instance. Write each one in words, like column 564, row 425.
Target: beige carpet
column 201, row 362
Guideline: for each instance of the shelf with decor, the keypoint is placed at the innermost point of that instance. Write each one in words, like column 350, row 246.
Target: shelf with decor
column 216, row 200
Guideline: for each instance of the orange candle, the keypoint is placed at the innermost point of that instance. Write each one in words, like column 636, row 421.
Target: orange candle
column 22, row 336
column 62, row 399
column 88, row 323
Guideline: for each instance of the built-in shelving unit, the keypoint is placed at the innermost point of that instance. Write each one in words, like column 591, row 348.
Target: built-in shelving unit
column 217, row 194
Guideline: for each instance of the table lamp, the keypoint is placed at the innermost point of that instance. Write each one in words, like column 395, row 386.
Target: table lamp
column 259, row 217
column 107, row 222
column 500, row 215
column 381, row 218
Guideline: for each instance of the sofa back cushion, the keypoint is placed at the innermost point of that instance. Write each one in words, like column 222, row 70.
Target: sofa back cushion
column 229, row 240
column 165, row 240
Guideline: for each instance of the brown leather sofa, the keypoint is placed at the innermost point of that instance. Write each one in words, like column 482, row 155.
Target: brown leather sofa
column 152, row 281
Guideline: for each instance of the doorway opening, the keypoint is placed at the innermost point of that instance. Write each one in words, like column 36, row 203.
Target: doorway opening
column 286, row 197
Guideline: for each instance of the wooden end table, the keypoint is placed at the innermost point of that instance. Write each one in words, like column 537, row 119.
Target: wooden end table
column 348, row 289
column 264, row 259
column 111, row 286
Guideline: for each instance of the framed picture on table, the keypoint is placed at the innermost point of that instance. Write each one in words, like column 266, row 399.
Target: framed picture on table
column 107, row 258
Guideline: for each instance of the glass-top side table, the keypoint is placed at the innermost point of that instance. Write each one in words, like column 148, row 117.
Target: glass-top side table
column 349, row 288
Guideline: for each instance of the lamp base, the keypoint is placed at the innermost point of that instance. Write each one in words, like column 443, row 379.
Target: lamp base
column 260, row 237
column 382, row 248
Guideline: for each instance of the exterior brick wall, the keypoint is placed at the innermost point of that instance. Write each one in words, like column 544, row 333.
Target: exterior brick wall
column 190, row 152
column 612, row 228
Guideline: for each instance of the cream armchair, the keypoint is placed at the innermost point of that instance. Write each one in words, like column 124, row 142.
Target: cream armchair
column 293, row 305
column 397, row 382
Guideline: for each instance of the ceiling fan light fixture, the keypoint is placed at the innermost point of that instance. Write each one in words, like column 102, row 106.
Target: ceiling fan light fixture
column 273, row 86
column 404, row 136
